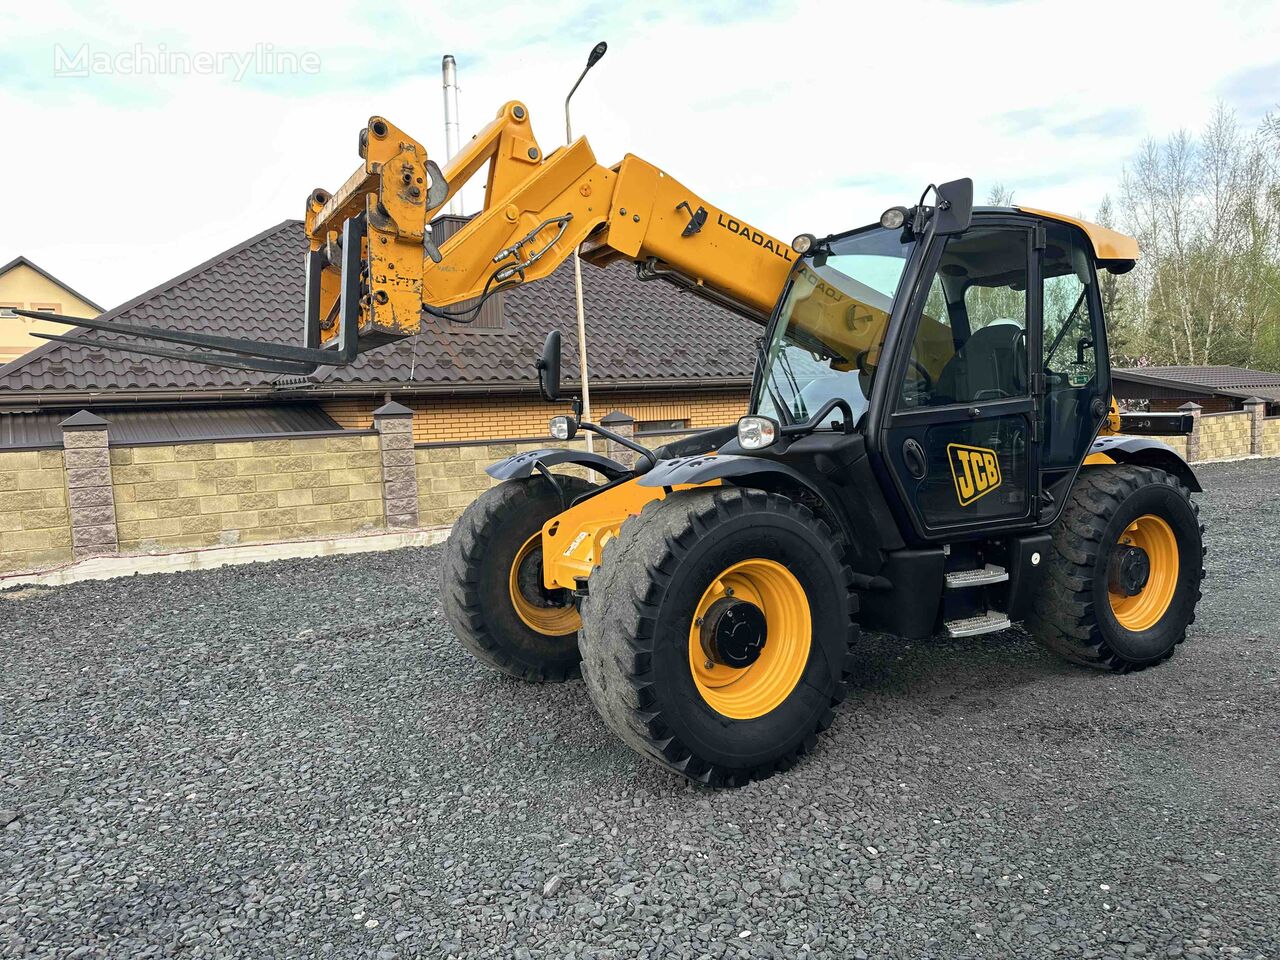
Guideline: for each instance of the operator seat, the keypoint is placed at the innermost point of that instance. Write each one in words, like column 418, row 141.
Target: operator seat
column 992, row 364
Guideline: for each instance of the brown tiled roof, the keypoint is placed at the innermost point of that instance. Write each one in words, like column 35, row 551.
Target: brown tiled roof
column 1229, row 381
column 642, row 334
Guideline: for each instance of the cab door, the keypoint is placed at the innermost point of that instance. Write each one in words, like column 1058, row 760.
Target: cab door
column 958, row 441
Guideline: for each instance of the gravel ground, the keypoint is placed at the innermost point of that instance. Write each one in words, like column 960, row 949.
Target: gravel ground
column 295, row 759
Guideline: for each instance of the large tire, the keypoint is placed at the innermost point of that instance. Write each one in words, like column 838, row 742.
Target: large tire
column 1078, row 613
column 476, row 582
column 638, row 648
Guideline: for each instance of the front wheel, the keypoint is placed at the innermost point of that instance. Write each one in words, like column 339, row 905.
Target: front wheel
column 716, row 633
column 491, row 581
column 1124, row 578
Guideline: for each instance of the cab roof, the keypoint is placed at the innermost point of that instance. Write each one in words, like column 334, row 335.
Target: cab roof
column 1109, row 246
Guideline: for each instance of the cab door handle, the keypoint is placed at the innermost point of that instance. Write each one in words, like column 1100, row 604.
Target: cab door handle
column 914, row 458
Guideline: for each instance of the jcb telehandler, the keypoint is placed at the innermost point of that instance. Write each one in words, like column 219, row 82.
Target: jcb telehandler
column 930, row 445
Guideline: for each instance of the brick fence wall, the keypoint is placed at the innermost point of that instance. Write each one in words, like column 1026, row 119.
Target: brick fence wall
column 1271, row 437
column 450, row 476
column 35, row 525
column 1224, row 435
column 93, row 497
column 251, row 491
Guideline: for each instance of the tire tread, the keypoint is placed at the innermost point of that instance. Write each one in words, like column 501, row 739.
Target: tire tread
column 1063, row 616
column 621, row 611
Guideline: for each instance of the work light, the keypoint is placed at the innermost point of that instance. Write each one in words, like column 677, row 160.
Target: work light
column 563, row 428
column 893, row 218
column 803, row 243
column 756, row 433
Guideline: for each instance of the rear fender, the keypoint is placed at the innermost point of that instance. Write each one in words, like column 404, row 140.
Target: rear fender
column 524, row 464
column 1143, row 452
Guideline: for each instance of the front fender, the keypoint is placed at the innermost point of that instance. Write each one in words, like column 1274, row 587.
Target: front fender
column 728, row 466
column 1144, row 452
column 524, row 464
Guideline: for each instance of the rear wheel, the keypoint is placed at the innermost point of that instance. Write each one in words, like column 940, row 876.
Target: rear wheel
column 491, row 580
column 1124, row 581
column 716, row 634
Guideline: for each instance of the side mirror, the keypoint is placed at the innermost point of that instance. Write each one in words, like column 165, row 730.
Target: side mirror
column 955, row 207
column 549, row 368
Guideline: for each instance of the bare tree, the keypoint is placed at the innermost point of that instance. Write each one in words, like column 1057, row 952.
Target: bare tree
column 999, row 196
column 1205, row 212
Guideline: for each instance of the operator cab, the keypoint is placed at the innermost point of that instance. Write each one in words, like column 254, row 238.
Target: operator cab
column 971, row 359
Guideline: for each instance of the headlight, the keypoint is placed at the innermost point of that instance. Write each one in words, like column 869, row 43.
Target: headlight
column 756, row 433
column 803, row 243
column 563, row 428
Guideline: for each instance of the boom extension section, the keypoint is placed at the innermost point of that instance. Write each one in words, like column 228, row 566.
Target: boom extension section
column 374, row 270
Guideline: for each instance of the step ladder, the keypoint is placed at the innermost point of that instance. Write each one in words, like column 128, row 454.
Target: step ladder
column 979, row 577
column 991, row 621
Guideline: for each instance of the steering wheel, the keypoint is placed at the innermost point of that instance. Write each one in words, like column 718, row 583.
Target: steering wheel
column 924, row 376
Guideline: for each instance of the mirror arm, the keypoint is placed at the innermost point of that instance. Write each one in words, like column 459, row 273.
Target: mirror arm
column 622, row 441
column 816, row 420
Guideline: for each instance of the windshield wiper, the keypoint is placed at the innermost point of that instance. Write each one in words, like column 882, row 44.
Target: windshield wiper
column 766, row 377
column 801, row 410
column 1066, row 325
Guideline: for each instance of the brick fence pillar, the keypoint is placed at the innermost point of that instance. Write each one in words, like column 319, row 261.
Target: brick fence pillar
column 625, row 426
column 89, row 493
column 394, row 423
column 1256, row 408
column 1193, row 438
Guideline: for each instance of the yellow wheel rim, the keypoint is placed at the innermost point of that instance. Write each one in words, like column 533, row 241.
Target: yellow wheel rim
column 529, row 604
column 754, row 690
column 1144, row 609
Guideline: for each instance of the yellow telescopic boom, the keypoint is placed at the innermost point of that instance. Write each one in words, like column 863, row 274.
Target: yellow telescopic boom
column 537, row 209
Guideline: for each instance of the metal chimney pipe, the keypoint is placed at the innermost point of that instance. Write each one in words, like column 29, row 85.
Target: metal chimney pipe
column 449, row 69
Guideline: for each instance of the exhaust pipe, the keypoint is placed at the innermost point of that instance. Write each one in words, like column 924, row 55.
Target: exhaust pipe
column 449, row 69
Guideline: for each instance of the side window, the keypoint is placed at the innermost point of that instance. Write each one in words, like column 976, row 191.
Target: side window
column 971, row 343
column 1073, row 358
column 1070, row 355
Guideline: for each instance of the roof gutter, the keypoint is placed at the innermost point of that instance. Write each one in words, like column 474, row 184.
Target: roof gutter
column 56, row 398
column 498, row 388
column 29, row 399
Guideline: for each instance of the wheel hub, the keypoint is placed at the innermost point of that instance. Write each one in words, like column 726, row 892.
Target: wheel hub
column 733, row 633
column 548, row 612
column 1128, row 571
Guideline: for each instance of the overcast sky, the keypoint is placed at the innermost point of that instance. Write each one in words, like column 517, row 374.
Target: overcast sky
column 794, row 116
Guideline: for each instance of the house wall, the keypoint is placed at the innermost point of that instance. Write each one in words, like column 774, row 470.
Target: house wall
column 35, row 525
column 206, row 494
column 1207, row 404
column 25, row 288
column 485, row 418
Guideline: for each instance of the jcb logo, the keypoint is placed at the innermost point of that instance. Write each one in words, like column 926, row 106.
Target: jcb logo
column 976, row 471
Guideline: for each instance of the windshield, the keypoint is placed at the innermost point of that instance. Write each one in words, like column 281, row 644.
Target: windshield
column 827, row 340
